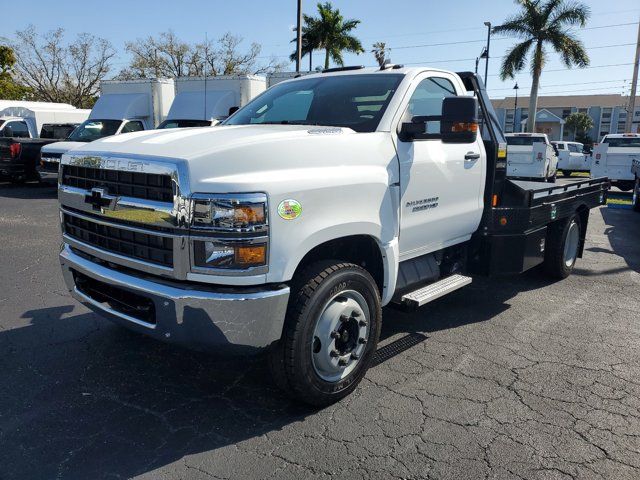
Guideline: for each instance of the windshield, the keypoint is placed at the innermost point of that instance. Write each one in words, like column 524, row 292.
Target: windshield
column 91, row 130
column 523, row 141
column 353, row 101
column 628, row 142
column 184, row 124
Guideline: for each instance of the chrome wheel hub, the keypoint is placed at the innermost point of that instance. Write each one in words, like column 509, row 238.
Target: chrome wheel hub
column 340, row 336
column 571, row 244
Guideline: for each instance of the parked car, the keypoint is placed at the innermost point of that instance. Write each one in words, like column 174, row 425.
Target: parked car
column 289, row 226
column 20, row 155
column 531, row 156
column 123, row 107
column 613, row 158
column 572, row 157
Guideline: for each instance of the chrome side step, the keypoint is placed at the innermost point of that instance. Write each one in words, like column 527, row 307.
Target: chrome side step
column 435, row 290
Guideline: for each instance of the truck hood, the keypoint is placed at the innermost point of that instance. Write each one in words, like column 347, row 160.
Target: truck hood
column 256, row 157
column 61, row 147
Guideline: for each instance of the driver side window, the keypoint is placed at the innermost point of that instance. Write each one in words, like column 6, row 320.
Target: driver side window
column 427, row 100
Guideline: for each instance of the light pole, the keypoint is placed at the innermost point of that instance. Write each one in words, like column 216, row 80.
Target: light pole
column 299, row 37
column 486, row 65
column 483, row 54
column 515, row 108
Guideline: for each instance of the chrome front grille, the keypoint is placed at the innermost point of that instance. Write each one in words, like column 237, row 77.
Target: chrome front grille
column 147, row 186
column 136, row 244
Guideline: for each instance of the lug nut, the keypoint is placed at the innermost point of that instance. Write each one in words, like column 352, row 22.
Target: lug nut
column 362, row 323
column 344, row 318
column 355, row 314
column 334, row 353
column 354, row 356
column 362, row 341
column 335, row 334
column 342, row 362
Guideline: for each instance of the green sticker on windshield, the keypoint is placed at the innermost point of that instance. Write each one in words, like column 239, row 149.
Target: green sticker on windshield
column 289, row 209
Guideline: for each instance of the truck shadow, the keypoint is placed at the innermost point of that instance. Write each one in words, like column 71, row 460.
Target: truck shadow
column 88, row 399
column 622, row 228
column 29, row 190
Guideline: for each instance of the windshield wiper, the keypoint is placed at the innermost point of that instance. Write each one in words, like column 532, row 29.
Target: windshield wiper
column 285, row 122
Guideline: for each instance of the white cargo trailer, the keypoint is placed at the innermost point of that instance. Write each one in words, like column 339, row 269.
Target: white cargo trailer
column 277, row 77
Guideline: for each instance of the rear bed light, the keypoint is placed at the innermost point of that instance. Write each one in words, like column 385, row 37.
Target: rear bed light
column 539, row 155
column 14, row 149
column 598, row 156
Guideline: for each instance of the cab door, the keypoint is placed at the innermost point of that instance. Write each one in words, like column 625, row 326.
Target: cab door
column 441, row 184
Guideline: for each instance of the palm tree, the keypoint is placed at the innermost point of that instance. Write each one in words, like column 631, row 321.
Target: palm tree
column 381, row 52
column 331, row 32
column 537, row 25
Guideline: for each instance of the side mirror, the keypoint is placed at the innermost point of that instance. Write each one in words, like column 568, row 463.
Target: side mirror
column 459, row 122
column 412, row 130
column 233, row 110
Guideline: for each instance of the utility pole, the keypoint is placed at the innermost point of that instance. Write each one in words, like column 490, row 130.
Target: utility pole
column 299, row 38
column 486, row 65
column 634, row 83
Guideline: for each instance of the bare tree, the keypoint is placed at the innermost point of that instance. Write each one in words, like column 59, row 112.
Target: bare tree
column 167, row 56
column 56, row 71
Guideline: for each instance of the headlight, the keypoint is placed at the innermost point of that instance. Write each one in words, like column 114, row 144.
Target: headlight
column 229, row 255
column 230, row 213
column 230, row 233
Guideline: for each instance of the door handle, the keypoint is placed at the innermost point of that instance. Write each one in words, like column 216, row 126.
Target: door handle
column 470, row 156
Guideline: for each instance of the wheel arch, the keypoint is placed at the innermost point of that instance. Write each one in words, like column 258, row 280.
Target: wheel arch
column 365, row 250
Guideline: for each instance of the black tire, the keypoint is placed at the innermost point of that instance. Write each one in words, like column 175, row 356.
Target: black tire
column 555, row 261
column 291, row 360
column 553, row 178
column 566, row 173
column 636, row 196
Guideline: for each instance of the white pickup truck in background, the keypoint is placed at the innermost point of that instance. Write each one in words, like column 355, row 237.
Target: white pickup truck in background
column 572, row 158
column 531, row 156
column 613, row 158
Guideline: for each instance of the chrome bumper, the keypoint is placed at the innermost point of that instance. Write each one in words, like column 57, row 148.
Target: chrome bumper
column 240, row 320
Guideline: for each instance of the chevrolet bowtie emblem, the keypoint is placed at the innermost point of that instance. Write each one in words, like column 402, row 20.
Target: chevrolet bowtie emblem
column 100, row 200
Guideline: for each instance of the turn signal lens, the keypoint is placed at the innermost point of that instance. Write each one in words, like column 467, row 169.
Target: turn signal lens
column 251, row 255
column 464, row 127
column 249, row 214
column 494, row 200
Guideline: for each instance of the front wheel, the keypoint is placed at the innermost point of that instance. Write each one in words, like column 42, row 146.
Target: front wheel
column 330, row 335
column 562, row 247
column 636, row 195
column 566, row 173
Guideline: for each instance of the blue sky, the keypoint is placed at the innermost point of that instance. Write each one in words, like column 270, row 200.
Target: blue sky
column 405, row 25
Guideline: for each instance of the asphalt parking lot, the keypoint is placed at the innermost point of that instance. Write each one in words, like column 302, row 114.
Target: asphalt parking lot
column 510, row 378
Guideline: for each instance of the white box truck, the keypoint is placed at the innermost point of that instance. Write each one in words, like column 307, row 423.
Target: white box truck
column 26, row 119
column 531, row 156
column 205, row 101
column 124, row 106
column 289, row 226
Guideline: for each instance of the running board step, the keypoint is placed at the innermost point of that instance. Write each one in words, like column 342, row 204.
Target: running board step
column 435, row 290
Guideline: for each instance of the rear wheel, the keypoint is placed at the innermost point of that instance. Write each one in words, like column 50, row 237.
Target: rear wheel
column 562, row 247
column 566, row 173
column 636, row 195
column 330, row 334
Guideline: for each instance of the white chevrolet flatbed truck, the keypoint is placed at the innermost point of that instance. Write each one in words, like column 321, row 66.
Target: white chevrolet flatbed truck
column 292, row 224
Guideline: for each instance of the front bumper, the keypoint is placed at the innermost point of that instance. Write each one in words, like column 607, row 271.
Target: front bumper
column 48, row 171
column 227, row 320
